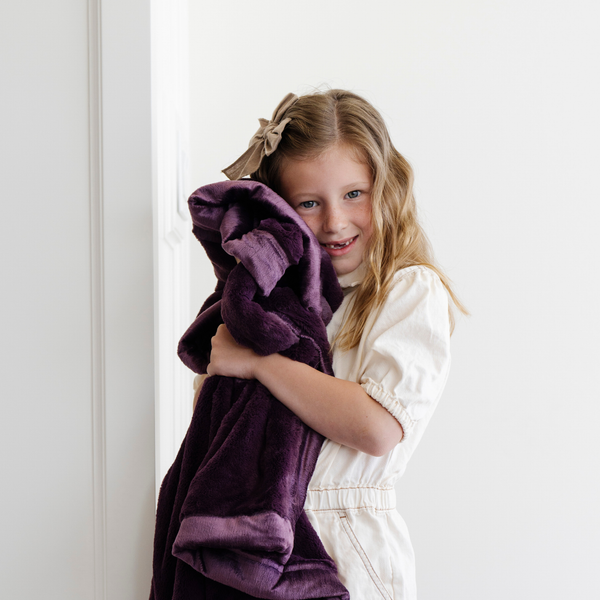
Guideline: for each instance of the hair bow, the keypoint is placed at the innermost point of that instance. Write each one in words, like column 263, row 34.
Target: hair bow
column 263, row 143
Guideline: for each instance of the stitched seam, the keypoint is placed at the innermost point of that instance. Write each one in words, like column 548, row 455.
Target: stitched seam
column 322, row 363
column 374, row 506
column 357, row 487
column 365, row 559
column 337, row 510
column 402, row 273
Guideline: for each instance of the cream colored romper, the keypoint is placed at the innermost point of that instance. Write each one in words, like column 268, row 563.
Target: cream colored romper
column 402, row 362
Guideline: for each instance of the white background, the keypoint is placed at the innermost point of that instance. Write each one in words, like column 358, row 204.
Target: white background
column 77, row 321
column 495, row 104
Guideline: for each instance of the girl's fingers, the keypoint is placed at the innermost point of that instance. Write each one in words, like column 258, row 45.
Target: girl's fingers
column 228, row 358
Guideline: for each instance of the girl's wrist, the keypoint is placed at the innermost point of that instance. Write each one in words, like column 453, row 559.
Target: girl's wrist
column 263, row 365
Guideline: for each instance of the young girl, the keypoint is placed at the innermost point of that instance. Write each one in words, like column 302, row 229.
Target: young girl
column 330, row 157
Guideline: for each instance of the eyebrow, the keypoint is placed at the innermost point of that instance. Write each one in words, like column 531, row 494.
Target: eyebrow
column 350, row 187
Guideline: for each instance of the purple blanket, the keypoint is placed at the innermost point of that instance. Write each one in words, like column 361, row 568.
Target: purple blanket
column 230, row 522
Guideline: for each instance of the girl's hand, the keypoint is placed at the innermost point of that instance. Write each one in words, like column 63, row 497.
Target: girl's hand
column 230, row 359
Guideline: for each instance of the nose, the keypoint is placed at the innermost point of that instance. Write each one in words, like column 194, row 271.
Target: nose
column 334, row 219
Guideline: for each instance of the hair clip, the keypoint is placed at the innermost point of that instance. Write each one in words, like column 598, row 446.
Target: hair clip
column 263, row 143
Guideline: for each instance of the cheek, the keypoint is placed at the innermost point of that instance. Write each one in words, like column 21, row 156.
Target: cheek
column 311, row 221
column 367, row 231
column 313, row 224
column 365, row 222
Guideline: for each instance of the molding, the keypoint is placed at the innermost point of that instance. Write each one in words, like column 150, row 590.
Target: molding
column 175, row 237
column 96, row 199
column 170, row 126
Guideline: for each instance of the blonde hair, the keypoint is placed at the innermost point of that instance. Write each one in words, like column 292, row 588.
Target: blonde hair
column 318, row 122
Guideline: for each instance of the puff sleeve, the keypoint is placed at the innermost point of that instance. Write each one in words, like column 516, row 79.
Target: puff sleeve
column 405, row 356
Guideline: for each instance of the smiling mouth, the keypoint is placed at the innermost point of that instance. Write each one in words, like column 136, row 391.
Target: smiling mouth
column 340, row 245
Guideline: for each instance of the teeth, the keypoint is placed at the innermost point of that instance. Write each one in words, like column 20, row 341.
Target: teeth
column 338, row 246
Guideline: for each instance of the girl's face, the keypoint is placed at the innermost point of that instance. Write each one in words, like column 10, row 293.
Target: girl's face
column 332, row 193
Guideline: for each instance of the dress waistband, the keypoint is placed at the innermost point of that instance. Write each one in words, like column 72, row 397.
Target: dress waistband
column 350, row 497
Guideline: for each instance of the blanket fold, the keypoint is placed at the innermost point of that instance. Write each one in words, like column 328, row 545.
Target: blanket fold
column 230, row 522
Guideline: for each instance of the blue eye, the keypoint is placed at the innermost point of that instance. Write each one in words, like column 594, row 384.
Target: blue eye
column 353, row 194
column 308, row 204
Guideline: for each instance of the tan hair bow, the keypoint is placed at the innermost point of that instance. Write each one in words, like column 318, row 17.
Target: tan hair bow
column 263, row 143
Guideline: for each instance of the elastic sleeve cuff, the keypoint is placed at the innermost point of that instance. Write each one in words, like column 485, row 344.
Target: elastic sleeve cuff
column 391, row 404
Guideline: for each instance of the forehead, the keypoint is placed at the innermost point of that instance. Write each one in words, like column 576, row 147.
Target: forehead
column 338, row 166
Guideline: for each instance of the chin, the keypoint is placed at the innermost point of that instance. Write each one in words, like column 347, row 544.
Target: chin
column 344, row 269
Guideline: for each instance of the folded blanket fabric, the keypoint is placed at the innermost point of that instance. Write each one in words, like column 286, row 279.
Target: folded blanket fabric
column 230, row 522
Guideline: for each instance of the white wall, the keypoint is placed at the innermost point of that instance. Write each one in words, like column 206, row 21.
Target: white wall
column 496, row 106
column 77, row 409
column 46, row 365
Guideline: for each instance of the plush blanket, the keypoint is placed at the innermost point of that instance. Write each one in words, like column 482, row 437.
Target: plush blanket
column 230, row 522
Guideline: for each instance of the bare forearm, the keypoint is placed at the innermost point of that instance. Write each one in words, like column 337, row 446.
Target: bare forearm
column 340, row 410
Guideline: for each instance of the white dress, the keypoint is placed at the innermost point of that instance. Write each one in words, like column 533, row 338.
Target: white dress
column 402, row 362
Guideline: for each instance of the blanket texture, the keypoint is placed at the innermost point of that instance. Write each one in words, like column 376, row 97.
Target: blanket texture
column 230, row 522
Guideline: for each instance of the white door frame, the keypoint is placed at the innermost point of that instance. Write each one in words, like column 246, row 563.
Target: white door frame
column 172, row 224
column 139, row 227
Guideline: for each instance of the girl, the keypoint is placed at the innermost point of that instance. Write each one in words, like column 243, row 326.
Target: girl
column 330, row 157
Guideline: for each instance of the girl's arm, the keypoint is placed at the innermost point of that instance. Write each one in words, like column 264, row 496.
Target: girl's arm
column 340, row 410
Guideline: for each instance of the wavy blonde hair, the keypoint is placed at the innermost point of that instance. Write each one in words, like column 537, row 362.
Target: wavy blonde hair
column 318, row 122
